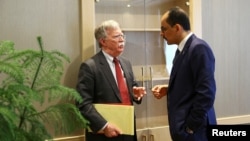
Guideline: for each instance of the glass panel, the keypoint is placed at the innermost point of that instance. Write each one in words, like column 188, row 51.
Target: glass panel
column 131, row 16
column 157, row 59
column 156, row 64
column 145, row 48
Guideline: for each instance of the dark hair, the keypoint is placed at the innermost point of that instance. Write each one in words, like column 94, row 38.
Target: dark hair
column 176, row 15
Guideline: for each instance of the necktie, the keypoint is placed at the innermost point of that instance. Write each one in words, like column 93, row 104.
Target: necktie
column 176, row 55
column 121, row 83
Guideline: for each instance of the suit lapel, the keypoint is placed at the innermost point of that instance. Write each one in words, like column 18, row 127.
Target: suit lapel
column 104, row 66
column 179, row 59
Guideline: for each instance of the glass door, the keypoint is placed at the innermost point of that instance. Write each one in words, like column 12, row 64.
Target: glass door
column 131, row 16
column 145, row 48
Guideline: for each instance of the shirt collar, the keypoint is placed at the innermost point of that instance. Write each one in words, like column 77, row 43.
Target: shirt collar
column 108, row 57
column 183, row 42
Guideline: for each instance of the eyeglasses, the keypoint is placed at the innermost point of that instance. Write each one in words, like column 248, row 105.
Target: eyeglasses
column 119, row 36
column 163, row 29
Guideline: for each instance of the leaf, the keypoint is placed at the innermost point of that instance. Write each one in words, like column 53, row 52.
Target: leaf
column 61, row 118
column 32, row 76
column 12, row 71
column 6, row 47
column 7, row 122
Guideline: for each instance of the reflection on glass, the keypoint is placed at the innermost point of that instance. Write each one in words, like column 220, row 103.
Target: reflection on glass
column 169, row 51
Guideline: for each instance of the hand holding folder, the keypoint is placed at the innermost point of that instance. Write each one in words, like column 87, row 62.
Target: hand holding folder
column 121, row 116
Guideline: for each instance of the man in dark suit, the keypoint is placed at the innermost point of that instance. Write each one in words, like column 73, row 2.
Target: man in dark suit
column 191, row 89
column 97, row 83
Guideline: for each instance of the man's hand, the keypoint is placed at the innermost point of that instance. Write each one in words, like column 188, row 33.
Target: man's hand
column 159, row 91
column 139, row 92
column 111, row 130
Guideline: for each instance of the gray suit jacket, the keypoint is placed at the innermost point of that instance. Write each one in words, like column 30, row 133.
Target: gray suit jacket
column 96, row 84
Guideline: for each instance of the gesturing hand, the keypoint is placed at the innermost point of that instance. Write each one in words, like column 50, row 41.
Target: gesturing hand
column 159, row 91
column 139, row 92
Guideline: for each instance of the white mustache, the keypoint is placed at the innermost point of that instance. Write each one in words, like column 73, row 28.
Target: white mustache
column 121, row 44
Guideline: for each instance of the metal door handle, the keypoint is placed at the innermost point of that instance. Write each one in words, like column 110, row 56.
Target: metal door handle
column 142, row 75
column 151, row 77
column 151, row 137
column 144, row 138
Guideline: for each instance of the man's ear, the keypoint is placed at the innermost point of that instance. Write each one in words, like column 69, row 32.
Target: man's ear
column 102, row 41
column 178, row 27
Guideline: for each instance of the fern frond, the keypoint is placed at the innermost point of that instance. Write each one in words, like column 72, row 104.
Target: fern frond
column 20, row 57
column 60, row 118
column 19, row 95
column 7, row 122
column 12, row 70
column 56, row 58
column 34, row 76
column 38, row 133
column 6, row 47
column 50, row 72
column 59, row 54
column 61, row 92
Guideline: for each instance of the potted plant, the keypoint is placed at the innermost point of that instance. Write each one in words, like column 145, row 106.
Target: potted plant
column 29, row 77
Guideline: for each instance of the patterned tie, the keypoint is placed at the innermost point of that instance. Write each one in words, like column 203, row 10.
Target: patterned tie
column 121, row 83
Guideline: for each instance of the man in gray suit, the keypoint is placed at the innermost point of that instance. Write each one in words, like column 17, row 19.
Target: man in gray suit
column 97, row 83
column 191, row 89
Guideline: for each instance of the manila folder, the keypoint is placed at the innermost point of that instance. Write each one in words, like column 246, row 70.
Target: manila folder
column 120, row 115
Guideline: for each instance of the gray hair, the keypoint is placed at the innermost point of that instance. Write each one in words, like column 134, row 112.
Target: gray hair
column 100, row 31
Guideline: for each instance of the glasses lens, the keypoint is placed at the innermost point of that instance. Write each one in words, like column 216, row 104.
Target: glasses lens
column 119, row 36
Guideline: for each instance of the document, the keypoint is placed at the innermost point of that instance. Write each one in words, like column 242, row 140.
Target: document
column 120, row 115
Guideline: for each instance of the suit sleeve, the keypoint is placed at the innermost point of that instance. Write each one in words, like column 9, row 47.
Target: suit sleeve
column 203, row 67
column 85, row 86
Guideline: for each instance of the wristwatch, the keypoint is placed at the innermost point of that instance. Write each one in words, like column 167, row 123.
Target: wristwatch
column 189, row 131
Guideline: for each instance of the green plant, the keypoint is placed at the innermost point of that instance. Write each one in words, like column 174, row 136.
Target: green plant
column 30, row 77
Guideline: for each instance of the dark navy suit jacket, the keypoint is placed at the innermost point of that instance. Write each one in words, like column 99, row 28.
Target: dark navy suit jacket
column 96, row 84
column 191, row 91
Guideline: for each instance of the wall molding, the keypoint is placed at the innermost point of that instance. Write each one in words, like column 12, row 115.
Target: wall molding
column 242, row 119
column 71, row 138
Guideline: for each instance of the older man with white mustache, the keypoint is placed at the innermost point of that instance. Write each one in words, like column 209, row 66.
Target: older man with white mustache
column 98, row 83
